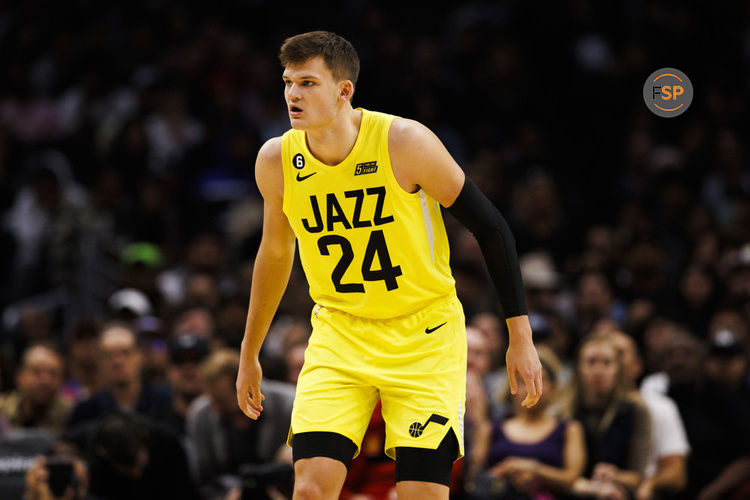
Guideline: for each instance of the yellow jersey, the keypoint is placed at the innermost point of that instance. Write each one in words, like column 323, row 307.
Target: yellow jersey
column 368, row 247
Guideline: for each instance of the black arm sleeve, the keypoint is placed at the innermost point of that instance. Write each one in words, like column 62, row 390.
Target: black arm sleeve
column 479, row 215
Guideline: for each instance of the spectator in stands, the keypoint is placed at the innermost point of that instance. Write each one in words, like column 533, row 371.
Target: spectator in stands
column 152, row 344
column 595, row 300
column 124, row 388
column 37, row 401
column 82, row 362
column 198, row 321
column 716, row 421
column 727, row 363
column 294, row 359
column 59, row 474
column 667, row 469
column 186, row 353
column 132, row 457
column 481, row 407
column 616, row 423
column 533, row 452
column 223, row 438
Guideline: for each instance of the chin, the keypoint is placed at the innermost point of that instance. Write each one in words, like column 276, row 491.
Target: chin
column 297, row 124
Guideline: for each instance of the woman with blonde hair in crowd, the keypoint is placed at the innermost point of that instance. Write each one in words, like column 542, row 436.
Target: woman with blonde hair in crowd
column 532, row 453
column 616, row 423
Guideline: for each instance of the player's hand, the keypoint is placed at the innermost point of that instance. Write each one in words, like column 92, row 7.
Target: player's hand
column 523, row 359
column 249, row 397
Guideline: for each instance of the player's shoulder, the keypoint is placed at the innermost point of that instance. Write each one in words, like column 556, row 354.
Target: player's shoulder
column 407, row 136
column 268, row 168
column 406, row 129
column 270, row 152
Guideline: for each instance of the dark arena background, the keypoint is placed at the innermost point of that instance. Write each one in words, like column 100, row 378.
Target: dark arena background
column 130, row 218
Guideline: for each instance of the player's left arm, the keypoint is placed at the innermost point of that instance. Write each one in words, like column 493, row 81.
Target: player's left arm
column 420, row 160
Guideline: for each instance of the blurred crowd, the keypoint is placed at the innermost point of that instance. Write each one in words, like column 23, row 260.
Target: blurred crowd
column 129, row 220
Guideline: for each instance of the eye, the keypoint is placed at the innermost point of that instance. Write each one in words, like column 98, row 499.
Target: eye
column 308, row 83
column 287, row 82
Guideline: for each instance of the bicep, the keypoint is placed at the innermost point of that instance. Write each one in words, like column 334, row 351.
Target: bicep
column 674, row 463
column 422, row 159
column 278, row 236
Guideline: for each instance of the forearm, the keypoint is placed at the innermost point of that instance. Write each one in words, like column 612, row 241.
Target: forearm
column 556, row 478
column 270, row 278
column 628, row 478
column 671, row 474
column 497, row 244
column 732, row 475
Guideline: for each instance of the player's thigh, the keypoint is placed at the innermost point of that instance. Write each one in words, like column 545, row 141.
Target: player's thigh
column 329, row 400
column 417, row 490
column 424, row 401
column 334, row 393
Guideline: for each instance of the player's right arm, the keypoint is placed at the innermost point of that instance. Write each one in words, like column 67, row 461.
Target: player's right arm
column 273, row 264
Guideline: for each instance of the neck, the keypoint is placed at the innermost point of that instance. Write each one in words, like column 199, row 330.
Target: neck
column 181, row 402
column 533, row 415
column 332, row 142
column 127, row 393
column 595, row 401
column 30, row 409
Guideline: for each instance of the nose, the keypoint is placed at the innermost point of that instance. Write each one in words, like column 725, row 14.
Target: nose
column 293, row 93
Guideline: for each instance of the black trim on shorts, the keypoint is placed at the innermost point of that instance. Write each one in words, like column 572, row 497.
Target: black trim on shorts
column 431, row 466
column 323, row 444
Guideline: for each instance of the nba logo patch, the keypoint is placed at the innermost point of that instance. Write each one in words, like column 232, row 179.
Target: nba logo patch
column 368, row 167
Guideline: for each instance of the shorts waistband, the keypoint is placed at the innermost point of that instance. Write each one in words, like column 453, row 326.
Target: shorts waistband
column 438, row 302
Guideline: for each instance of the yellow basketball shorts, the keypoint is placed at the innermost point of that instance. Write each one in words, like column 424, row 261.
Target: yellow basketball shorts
column 415, row 364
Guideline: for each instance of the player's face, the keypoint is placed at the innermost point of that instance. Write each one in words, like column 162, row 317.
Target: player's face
column 313, row 96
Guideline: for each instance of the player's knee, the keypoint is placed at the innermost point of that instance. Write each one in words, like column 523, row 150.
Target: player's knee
column 308, row 488
column 318, row 478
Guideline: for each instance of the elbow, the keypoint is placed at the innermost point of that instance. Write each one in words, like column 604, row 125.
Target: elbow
column 275, row 253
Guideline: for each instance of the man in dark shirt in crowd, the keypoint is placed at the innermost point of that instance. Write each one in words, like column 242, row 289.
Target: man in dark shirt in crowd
column 185, row 356
column 132, row 457
column 223, row 438
column 124, row 388
column 717, row 422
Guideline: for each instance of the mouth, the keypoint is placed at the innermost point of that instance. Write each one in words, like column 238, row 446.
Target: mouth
column 295, row 111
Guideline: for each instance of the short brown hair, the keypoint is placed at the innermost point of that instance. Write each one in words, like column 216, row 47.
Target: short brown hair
column 338, row 54
column 221, row 363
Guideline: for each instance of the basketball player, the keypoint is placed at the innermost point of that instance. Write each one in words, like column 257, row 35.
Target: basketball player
column 361, row 192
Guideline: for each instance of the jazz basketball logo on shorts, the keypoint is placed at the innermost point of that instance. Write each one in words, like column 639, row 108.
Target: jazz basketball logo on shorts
column 416, row 429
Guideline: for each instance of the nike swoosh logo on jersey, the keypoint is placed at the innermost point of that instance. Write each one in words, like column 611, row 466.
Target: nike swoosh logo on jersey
column 303, row 177
column 430, row 330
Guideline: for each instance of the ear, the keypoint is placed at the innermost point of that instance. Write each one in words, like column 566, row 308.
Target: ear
column 346, row 90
